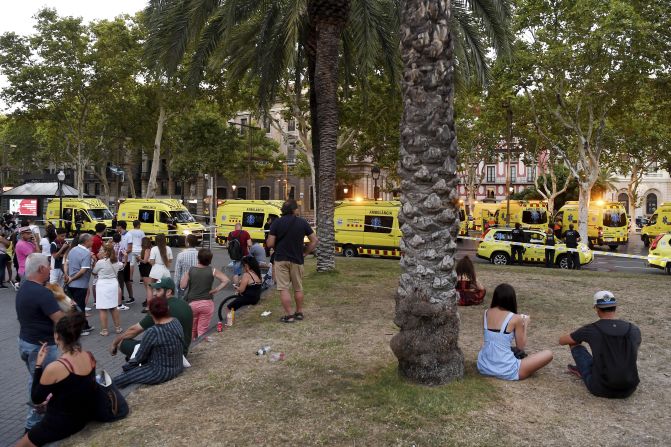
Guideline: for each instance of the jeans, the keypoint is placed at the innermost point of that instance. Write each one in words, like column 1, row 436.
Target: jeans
column 583, row 361
column 79, row 296
column 237, row 268
column 3, row 266
column 28, row 352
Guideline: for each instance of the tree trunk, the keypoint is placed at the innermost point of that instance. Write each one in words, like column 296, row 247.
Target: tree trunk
column 314, row 135
column 632, row 195
column 102, row 176
column 156, row 159
column 128, row 166
column 426, row 306
column 583, row 209
column 326, row 83
column 79, row 173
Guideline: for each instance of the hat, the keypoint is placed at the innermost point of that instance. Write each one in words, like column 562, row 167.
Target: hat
column 164, row 283
column 25, row 230
column 604, row 298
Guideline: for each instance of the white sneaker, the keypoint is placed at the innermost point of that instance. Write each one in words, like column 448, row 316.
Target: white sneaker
column 87, row 308
column 122, row 307
column 15, row 284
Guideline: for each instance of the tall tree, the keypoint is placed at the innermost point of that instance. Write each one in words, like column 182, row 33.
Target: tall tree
column 426, row 309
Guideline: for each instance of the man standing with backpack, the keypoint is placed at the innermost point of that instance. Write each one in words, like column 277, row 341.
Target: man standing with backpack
column 610, row 371
column 239, row 242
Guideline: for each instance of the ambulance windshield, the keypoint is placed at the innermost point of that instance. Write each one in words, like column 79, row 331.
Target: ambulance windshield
column 182, row 216
column 614, row 219
column 535, row 217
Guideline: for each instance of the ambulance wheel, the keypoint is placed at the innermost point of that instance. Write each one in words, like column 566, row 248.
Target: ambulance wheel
column 646, row 241
column 500, row 258
column 349, row 251
column 613, row 247
column 562, row 262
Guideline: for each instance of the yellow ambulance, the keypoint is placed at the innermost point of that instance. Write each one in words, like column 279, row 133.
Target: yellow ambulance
column 160, row 216
column 367, row 227
column 252, row 214
column 607, row 222
column 660, row 223
column 532, row 214
column 463, row 219
column 87, row 211
column 482, row 213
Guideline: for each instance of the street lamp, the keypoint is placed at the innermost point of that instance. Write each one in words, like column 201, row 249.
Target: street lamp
column 345, row 190
column 233, row 188
column 61, row 178
column 375, row 173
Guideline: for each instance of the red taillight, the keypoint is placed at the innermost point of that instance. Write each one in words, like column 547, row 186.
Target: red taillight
column 654, row 242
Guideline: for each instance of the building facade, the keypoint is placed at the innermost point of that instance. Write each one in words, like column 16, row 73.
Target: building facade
column 654, row 189
column 523, row 174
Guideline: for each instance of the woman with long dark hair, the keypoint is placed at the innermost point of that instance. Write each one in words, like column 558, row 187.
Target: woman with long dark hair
column 470, row 291
column 249, row 288
column 160, row 258
column 145, row 266
column 502, row 325
column 70, row 381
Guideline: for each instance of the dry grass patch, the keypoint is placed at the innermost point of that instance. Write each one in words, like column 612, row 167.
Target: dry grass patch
column 338, row 384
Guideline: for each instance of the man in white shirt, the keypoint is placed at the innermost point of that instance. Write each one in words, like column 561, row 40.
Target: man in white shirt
column 135, row 248
column 126, row 245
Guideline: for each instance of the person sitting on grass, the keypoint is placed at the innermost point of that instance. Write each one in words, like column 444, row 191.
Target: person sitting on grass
column 69, row 380
column 470, row 291
column 159, row 357
column 610, row 371
column 249, row 288
column 502, row 324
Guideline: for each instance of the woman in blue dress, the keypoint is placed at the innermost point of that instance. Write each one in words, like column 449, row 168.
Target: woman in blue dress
column 502, row 324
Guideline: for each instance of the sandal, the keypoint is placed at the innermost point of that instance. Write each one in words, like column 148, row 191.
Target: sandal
column 104, row 333
column 118, row 330
column 287, row 319
column 298, row 316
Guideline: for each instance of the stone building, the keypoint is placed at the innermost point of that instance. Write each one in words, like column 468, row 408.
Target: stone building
column 654, row 189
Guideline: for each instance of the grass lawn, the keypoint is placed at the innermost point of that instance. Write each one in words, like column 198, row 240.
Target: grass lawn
column 338, row 384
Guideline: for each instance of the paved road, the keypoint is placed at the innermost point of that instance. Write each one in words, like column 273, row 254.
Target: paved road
column 14, row 376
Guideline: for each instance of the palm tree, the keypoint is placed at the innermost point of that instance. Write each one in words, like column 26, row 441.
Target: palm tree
column 426, row 309
column 274, row 40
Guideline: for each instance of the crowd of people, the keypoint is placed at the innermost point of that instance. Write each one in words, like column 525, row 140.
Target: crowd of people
column 179, row 310
column 94, row 269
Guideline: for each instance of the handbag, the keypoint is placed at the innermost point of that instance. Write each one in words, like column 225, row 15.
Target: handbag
column 110, row 405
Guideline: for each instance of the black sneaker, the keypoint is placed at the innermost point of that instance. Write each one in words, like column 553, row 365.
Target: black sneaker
column 572, row 369
column 130, row 300
column 144, row 303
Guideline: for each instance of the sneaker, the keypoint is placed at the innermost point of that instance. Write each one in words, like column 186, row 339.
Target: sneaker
column 87, row 308
column 15, row 285
column 86, row 333
column 130, row 300
column 144, row 310
column 572, row 369
column 122, row 307
column 88, row 329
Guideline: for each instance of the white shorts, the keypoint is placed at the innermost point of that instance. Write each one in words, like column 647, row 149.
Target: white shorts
column 134, row 258
column 56, row 277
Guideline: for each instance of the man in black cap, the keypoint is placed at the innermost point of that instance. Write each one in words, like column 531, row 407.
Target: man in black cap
column 610, row 370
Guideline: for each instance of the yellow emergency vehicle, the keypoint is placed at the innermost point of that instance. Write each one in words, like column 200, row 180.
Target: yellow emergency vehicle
column 531, row 214
column 160, row 216
column 86, row 211
column 482, row 214
column 660, row 253
column 463, row 219
column 660, row 223
column 252, row 214
column 367, row 227
column 607, row 222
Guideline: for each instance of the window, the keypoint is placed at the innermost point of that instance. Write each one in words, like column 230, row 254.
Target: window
column 531, row 174
column 96, row 189
column 613, row 219
column 164, row 165
column 378, row 224
column 312, row 198
column 623, row 198
column 534, row 238
column 291, row 155
column 491, row 174
column 503, row 236
column 178, row 188
column 243, row 123
column 146, row 216
column 253, row 220
column 513, row 174
column 221, row 192
column 264, row 193
column 651, row 203
column 163, row 217
column 534, row 217
column 164, row 188
column 292, row 192
column 490, row 193
column 67, row 214
column 291, row 125
column 242, row 192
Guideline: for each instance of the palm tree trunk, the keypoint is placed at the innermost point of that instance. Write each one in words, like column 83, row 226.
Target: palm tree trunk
column 326, row 84
column 311, row 52
column 426, row 308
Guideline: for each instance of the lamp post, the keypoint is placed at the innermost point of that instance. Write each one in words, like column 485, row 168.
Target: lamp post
column 61, row 178
column 233, row 188
column 375, row 173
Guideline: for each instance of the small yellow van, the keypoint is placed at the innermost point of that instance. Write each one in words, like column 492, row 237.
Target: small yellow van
column 607, row 222
column 532, row 214
column 660, row 223
column 160, row 216
column 87, row 211
column 252, row 214
column 367, row 227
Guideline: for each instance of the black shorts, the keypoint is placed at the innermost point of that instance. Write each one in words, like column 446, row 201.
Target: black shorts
column 144, row 270
column 126, row 272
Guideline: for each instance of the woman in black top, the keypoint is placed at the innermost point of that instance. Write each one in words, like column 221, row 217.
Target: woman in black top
column 249, row 288
column 71, row 382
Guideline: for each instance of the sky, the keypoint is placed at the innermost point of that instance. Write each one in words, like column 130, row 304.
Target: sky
column 17, row 15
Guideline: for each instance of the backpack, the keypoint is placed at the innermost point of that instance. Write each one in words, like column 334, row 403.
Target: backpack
column 616, row 364
column 235, row 249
